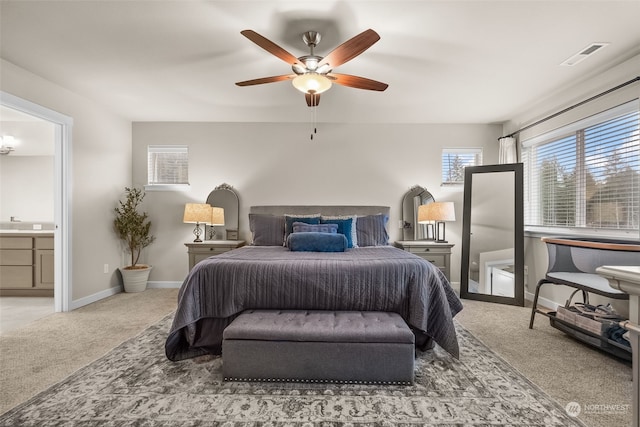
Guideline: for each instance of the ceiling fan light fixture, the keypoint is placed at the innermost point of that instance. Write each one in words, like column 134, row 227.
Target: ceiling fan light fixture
column 311, row 83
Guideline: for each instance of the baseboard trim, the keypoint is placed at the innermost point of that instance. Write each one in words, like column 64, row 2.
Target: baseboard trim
column 95, row 297
column 544, row 302
column 164, row 285
column 116, row 290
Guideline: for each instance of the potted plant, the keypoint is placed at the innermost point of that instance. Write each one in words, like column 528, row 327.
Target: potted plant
column 133, row 229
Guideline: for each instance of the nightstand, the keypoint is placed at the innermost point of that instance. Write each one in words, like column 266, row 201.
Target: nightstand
column 202, row 250
column 439, row 254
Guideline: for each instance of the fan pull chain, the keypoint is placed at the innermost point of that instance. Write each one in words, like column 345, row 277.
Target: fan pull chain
column 315, row 129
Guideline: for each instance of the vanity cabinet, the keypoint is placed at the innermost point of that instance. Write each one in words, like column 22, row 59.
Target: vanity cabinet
column 16, row 262
column 26, row 264
column 43, row 263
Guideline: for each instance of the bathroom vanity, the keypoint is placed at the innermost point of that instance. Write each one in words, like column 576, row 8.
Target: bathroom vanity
column 26, row 263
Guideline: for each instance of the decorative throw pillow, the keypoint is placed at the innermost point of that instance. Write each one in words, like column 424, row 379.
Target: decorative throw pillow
column 289, row 219
column 346, row 226
column 317, row 242
column 267, row 230
column 302, row 227
column 372, row 230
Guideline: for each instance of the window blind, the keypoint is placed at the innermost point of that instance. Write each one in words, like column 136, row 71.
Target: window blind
column 586, row 174
column 167, row 164
column 454, row 160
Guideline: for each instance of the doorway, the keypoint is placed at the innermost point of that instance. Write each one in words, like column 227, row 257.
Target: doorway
column 61, row 204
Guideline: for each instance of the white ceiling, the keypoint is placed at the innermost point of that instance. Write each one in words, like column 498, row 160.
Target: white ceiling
column 445, row 61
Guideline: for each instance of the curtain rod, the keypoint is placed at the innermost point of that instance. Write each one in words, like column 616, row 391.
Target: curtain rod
column 606, row 92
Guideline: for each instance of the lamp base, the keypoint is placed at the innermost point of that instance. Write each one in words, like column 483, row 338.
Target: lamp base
column 197, row 232
column 440, row 232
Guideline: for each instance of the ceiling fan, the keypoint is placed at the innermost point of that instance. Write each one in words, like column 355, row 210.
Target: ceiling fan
column 312, row 73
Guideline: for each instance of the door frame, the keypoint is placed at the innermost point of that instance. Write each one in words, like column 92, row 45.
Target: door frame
column 63, row 285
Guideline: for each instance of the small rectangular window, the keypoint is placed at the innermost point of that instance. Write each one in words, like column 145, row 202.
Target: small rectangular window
column 167, row 166
column 454, row 160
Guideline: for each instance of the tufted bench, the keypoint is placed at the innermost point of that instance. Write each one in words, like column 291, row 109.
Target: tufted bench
column 318, row 346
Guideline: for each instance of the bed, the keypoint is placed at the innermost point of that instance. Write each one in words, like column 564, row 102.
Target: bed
column 370, row 275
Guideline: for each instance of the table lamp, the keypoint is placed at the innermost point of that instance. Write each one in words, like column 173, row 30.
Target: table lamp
column 217, row 218
column 423, row 219
column 438, row 212
column 198, row 213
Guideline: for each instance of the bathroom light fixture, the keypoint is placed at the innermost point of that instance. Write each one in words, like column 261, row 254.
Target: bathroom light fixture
column 7, row 144
column 198, row 213
column 312, row 83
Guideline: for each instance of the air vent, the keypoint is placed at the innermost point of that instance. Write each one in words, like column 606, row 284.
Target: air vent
column 584, row 54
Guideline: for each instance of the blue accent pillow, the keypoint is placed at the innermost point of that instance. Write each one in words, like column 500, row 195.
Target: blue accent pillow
column 290, row 219
column 302, row 227
column 345, row 226
column 316, row 242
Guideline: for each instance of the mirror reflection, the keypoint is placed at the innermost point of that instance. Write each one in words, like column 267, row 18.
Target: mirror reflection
column 493, row 237
column 411, row 201
column 224, row 196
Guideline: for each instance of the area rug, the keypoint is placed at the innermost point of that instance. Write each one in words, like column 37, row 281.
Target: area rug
column 135, row 385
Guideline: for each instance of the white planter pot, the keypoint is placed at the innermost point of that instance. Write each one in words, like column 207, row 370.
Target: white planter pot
column 135, row 280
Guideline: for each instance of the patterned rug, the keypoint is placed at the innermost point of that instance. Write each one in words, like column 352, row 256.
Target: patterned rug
column 135, row 385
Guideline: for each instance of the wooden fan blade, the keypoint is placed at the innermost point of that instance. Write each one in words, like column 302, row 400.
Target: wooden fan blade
column 271, row 47
column 350, row 49
column 313, row 99
column 263, row 80
column 357, row 82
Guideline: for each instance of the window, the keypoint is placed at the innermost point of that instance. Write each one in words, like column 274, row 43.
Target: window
column 586, row 175
column 454, row 160
column 167, row 166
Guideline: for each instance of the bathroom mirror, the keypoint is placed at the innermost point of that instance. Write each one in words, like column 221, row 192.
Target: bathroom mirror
column 493, row 234
column 413, row 198
column 224, row 196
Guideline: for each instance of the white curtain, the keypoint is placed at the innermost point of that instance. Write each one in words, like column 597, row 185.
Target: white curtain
column 508, row 152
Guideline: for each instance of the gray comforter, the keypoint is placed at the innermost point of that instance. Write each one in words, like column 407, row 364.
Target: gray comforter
column 270, row 277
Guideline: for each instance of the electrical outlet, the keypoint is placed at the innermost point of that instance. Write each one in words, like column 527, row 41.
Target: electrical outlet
column 106, row 268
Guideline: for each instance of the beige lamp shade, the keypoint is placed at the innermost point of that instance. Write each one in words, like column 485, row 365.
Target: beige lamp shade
column 197, row 213
column 436, row 211
column 217, row 216
column 422, row 214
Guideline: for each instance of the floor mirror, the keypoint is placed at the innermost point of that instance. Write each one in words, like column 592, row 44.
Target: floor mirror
column 493, row 234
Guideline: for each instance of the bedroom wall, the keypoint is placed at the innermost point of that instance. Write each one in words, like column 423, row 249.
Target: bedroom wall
column 536, row 257
column 100, row 169
column 276, row 163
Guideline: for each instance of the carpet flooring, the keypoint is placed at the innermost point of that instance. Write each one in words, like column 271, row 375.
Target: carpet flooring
column 135, row 385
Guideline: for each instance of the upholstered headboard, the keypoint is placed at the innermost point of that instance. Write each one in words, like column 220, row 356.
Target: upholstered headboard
column 269, row 226
column 324, row 210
